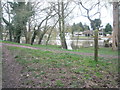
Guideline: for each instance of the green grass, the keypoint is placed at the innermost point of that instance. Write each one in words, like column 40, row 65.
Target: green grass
column 102, row 50
column 35, row 45
column 59, row 83
column 64, row 69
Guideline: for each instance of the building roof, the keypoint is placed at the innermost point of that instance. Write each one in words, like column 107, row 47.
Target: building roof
column 88, row 32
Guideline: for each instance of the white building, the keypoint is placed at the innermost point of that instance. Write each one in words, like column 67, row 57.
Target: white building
column 78, row 34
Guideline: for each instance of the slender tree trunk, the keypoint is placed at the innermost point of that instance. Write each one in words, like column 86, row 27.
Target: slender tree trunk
column 28, row 38
column 49, row 36
column 63, row 27
column 50, row 33
column 96, row 32
column 17, row 39
column 119, row 30
column 43, row 33
column 41, row 37
column 10, row 34
column 1, row 36
column 18, row 36
column 96, row 45
column 33, row 37
column 61, row 24
column 59, row 15
column 27, row 34
column 10, row 30
column 115, row 26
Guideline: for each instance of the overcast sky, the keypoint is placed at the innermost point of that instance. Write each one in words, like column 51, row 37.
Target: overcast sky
column 106, row 16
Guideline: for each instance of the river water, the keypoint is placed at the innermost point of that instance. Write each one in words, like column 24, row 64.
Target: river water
column 75, row 44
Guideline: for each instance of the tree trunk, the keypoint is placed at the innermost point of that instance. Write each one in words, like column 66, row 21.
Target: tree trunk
column 18, row 36
column 63, row 27
column 40, row 38
column 119, row 28
column 10, row 34
column 28, row 38
column 96, row 45
column 43, row 33
column 1, row 36
column 28, row 33
column 10, row 30
column 49, row 36
column 33, row 37
column 50, row 33
column 62, row 24
column 115, row 26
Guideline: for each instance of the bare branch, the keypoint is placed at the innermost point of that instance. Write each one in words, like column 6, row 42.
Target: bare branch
column 70, row 12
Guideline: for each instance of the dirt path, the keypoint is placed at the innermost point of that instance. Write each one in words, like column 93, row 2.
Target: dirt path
column 59, row 51
column 10, row 70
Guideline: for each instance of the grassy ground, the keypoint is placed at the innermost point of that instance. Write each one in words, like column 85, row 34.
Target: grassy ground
column 35, row 45
column 48, row 69
column 102, row 50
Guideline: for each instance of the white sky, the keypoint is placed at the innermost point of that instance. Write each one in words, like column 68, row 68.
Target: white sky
column 106, row 16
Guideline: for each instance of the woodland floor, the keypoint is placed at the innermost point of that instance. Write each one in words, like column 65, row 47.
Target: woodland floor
column 29, row 72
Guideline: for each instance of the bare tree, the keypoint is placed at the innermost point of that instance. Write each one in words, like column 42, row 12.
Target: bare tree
column 42, row 33
column 43, row 16
column 41, row 29
column 115, row 25
column 63, row 11
column 50, row 12
column 6, row 8
column 27, row 31
column 62, row 24
column 88, row 10
column 51, row 29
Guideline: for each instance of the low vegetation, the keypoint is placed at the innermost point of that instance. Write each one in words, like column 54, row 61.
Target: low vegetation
column 48, row 69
